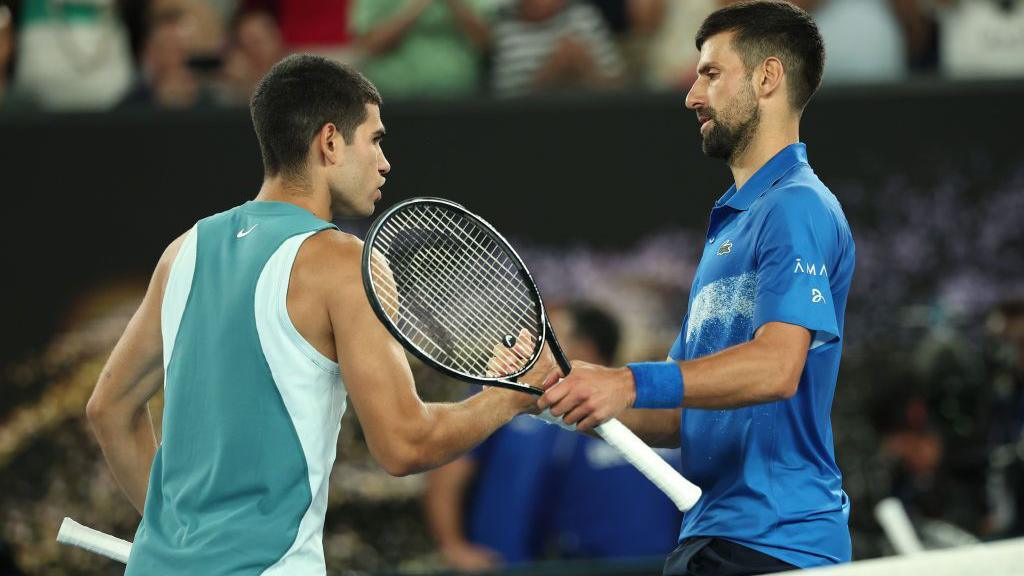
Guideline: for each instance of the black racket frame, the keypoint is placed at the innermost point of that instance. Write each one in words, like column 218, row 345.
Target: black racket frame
column 504, row 382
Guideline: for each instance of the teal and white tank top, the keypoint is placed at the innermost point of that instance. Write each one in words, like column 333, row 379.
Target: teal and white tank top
column 251, row 410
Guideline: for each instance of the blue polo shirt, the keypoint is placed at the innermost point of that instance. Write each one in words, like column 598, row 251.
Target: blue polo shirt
column 509, row 500
column 605, row 508
column 778, row 250
column 542, row 491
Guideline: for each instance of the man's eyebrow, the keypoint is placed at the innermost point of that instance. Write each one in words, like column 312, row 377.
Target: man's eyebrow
column 704, row 68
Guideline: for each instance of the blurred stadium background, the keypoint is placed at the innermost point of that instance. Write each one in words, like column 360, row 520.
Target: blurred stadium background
column 123, row 122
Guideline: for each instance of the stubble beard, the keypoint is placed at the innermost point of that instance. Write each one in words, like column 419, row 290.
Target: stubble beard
column 728, row 142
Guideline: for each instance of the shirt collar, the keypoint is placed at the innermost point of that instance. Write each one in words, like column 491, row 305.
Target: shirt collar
column 764, row 178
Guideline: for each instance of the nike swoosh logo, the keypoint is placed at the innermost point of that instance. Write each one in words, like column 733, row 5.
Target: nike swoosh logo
column 244, row 233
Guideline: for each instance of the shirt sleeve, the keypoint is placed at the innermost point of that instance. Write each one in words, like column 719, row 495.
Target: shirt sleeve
column 795, row 251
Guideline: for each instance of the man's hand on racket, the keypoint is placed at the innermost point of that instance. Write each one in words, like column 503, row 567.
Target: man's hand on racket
column 505, row 360
column 591, row 394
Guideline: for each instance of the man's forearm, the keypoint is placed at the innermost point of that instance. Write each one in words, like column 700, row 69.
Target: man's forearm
column 129, row 449
column 453, row 429
column 751, row 373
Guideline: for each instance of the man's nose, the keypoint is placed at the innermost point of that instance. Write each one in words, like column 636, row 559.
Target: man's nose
column 694, row 98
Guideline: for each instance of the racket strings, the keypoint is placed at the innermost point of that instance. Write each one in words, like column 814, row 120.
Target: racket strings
column 445, row 286
column 456, row 328
column 447, row 282
column 423, row 335
column 498, row 261
column 430, row 335
column 456, row 291
column 456, row 255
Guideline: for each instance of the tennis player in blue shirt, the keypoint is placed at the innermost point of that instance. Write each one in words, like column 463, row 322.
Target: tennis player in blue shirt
column 754, row 367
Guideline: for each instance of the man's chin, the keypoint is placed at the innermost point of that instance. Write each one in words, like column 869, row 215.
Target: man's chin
column 715, row 151
column 349, row 212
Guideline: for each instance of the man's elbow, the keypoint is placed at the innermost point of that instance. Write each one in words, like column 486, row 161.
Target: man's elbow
column 785, row 383
column 787, row 388
column 402, row 461
column 97, row 411
column 398, row 468
column 105, row 416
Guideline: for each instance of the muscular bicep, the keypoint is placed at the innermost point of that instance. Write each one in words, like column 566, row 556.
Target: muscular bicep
column 788, row 343
column 373, row 364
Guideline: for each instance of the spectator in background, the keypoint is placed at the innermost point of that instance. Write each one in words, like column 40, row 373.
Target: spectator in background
column 534, row 490
column 72, row 55
column 256, row 45
column 549, row 45
column 6, row 48
column 320, row 27
column 926, row 469
column 920, row 33
column 165, row 78
column 982, row 38
column 1005, row 418
column 671, row 64
column 423, row 47
column 863, row 40
column 203, row 22
column 635, row 24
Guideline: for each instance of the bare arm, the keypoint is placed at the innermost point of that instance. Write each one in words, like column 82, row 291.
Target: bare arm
column 764, row 369
column 404, row 434
column 444, row 505
column 471, row 24
column 387, row 34
column 118, row 409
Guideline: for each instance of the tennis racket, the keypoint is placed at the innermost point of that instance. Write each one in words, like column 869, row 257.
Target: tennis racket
column 74, row 534
column 456, row 294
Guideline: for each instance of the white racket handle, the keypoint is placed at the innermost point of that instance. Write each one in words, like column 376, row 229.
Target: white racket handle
column 74, row 534
column 681, row 491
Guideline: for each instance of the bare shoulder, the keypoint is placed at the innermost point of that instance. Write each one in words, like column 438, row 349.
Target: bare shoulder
column 329, row 255
column 163, row 267
column 327, row 270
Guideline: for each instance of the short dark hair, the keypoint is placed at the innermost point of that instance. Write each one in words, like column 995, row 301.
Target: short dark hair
column 296, row 98
column 599, row 327
column 766, row 28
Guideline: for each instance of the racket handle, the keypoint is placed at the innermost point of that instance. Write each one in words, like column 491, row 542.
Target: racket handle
column 681, row 491
column 74, row 534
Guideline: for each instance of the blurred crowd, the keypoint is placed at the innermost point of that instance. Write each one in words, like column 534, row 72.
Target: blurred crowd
column 951, row 432
column 105, row 54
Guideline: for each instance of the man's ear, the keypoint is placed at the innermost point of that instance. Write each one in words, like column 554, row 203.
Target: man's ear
column 330, row 144
column 770, row 76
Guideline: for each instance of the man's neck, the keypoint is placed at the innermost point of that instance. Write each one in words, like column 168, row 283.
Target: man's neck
column 279, row 189
column 765, row 145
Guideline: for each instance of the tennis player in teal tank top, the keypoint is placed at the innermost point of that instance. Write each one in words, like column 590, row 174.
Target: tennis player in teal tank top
column 256, row 326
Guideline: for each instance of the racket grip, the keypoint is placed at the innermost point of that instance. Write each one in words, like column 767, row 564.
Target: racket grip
column 74, row 534
column 683, row 493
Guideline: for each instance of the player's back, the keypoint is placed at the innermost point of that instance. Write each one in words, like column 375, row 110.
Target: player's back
column 251, row 410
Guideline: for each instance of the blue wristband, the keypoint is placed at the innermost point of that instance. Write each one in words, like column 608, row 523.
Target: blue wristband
column 658, row 384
